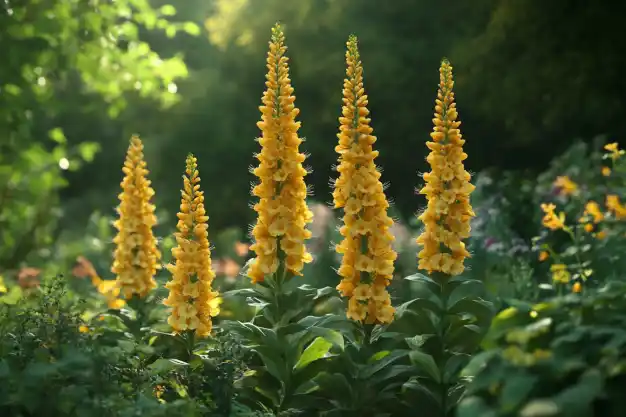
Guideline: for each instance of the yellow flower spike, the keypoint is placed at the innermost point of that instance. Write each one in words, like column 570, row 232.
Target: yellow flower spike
column 367, row 263
column 280, row 232
column 191, row 298
column 136, row 257
column 447, row 217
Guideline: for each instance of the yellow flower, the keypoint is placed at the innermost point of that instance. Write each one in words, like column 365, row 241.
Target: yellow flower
column 543, row 255
column 136, row 256
column 601, row 235
column 566, row 186
column 282, row 210
column 3, row 287
column 191, row 298
column 615, row 206
column 83, row 329
column 367, row 263
column 560, row 273
column 447, row 217
column 614, row 150
column 588, row 227
column 593, row 209
column 577, row 287
column 551, row 220
column 110, row 288
column 606, row 171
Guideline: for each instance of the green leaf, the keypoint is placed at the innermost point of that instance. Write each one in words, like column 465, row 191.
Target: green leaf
column 168, row 10
column 426, row 363
column 335, row 385
column 163, row 365
column 453, row 367
column 516, row 389
column 191, row 28
column 418, row 341
column 12, row 297
column 464, row 289
column 57, row 135
column 475, row 407
column 577, row 400
column 377, row 363
column 316, row 350
column 88, row 150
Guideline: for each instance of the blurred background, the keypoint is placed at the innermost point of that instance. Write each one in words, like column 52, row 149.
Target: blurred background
column 535, row 80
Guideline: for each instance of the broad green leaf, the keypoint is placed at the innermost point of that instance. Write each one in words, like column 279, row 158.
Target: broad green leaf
column 376, row 364
column 463, row 290
column 163, row 365
column 516, row 389
column 426, row 363
column 453, row 367
column 316, row 350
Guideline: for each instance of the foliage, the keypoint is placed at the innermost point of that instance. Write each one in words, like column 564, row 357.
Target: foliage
column 66, row 59
column 562, row 357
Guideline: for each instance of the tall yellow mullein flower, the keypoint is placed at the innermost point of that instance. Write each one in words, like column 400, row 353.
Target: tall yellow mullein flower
column 368, row 259
column 136, row 257
column 448, row 214
column 191, row 298
column 280, row 231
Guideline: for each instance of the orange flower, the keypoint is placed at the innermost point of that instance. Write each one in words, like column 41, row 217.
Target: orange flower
column 577, row 287
column 28, row 277
column 543, row 255
column 606, row 171
column 241, row 249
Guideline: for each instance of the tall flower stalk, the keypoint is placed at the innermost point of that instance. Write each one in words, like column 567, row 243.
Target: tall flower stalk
column 136, row 256
column 193, row 302
column 280, row 230
column 447, row 217
column 367, row 263
column 462, row 315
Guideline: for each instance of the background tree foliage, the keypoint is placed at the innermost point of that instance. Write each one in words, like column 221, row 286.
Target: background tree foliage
column 531, row 76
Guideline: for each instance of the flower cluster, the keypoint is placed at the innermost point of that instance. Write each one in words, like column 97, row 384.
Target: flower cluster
column 136, row 255
column 280, row 231
column 367, row 263
column 191, row 298
column 447, row 217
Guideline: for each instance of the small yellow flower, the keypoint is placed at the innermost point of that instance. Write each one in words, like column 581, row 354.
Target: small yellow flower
column 282, row 210
column 614, row 150
column 577, row 287
column 447, row 217
column 601, row 235
column 136, row 256
column 191, row 298
column 606, row 171
column 588, row 227
column 83, row 329
column 543, row 255
column 551, row 220
column 593, row 209
column 615, row 206
column 566, row 186
column 560, row 274
column 367, row 262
